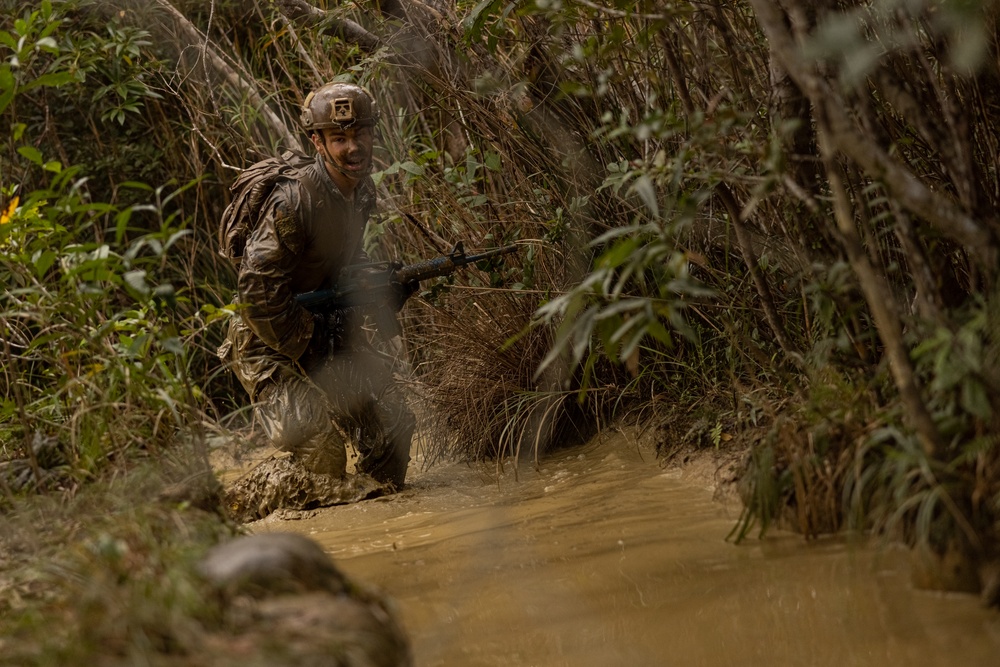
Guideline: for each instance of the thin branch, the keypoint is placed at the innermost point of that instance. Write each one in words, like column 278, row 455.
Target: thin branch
column 177, row 36
column 907, row 188
column 305, row 14
column 618, row 13
column 760, row 282
column 883, row 305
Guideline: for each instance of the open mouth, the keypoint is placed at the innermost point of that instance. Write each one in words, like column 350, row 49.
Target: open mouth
column 355, row 165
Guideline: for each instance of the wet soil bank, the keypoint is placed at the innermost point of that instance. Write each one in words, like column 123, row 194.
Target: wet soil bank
column 600, row 556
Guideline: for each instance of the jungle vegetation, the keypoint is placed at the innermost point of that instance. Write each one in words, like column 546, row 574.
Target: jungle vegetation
column 767, row 224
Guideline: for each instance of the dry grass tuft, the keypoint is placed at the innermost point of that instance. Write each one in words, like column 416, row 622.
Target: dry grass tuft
column 481, row 400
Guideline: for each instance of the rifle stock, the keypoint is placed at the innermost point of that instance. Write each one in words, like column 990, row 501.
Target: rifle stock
column 365, row 287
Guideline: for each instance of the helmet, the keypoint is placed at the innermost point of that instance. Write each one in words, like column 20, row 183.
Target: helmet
column 340, row 106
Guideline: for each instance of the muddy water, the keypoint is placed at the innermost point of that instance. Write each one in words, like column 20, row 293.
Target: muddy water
column 601, row 558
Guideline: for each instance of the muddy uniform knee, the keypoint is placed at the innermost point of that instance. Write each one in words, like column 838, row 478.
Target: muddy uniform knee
column 295, row 419
column 370, row 407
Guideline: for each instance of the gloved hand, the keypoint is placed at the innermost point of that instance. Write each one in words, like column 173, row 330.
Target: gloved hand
column 319, row 343
column 401, row 292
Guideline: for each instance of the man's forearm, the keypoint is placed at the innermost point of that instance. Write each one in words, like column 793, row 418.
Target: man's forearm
column 274, row 316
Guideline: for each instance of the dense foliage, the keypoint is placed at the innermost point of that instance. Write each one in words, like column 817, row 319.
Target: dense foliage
column 751, row 221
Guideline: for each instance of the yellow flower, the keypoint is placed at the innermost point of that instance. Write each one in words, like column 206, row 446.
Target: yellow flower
column 9, row 211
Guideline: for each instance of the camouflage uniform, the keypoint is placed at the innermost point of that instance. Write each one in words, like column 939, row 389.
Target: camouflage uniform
column 307, row 233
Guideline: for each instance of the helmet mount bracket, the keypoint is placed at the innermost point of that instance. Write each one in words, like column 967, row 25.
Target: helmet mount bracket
column 342, row 111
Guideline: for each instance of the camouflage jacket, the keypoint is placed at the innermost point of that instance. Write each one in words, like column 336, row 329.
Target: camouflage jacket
column 306, row 234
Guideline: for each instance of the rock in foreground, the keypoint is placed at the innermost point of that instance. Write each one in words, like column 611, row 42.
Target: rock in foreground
column 285, row 603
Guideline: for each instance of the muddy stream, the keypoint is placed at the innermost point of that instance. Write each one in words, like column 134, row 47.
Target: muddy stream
column 600, row 557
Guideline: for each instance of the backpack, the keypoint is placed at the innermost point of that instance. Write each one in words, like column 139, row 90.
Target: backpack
column 250, row 190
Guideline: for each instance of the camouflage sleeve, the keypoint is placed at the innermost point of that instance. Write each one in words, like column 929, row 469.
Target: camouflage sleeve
column 271, row 255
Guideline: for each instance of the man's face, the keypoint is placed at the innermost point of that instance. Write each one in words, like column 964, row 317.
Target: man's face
column 350, row 149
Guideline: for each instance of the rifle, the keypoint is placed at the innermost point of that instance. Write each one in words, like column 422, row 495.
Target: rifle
column 368, row 284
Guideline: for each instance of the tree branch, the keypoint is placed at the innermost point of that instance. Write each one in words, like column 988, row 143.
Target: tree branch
column 844, row 137
column 305, row 14
column 883, row 306
column 178, row 38
column 750, row 258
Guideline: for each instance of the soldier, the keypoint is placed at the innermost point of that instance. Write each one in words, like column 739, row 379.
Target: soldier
column 315, row 378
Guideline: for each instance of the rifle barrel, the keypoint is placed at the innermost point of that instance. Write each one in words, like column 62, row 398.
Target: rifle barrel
column 442, row 266
column 353, row 294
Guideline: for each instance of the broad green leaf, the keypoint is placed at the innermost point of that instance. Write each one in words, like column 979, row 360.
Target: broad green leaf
column 52, row 79
column 43, row 261
column 475, row 20
column 176, row 236
column 173, row 345
column 647, row 193
column 412, row 168
column 618, row 253
column 47, row 44
column 31, row 153
column 975, row 398
column 7, row 87
column 137, row 281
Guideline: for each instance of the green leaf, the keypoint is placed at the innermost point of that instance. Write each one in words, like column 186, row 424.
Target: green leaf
column 43, row 261
column 5, row 98
column 137, row 281
column 660, row 333
column 647, row 193
column 173, row 345
column 7, row 86
column 139, row 346
column 412, row 168
column 47, row 44
column 121, row 223
column 31, row 153
column 618, row 254
column 175, row 237
column 137, row 185
column 975, row 398
column 52, row 79
column 475, row 20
